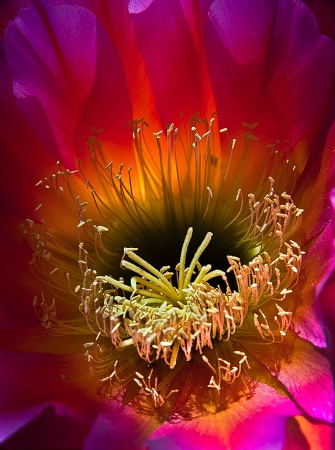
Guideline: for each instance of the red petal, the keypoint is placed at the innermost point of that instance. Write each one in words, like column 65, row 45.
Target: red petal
column 176, row 67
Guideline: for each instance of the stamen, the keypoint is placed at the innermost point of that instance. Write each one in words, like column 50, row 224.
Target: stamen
column 205, row 312
column 150, row 326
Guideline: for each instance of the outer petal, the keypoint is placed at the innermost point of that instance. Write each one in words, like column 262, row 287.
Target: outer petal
column 81, row 82
column 324, row 11
column 120, row 429
column 269, row 64
column 176, row 67
column 22, row 154
column 257, row 423
column 316, row 235
column 29, row 382
column 121, row 33
column 319, row 437
column 308, row 321
column 47, row 430
column 308, row 378
column 8, row 10
column 326, row 294
column 15, row 420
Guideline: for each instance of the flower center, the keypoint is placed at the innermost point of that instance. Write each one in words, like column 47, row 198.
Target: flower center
column 153, row 327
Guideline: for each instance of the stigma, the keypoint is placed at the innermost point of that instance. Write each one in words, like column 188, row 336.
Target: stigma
column 187, row 265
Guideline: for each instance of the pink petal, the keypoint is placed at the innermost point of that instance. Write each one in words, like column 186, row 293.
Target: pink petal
column 314, row 185
column 304, row 89
column 114, row 17
column 327, row 305
column 249, row 424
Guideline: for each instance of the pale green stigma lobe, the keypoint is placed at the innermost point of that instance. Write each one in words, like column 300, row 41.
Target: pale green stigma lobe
column 155, row 286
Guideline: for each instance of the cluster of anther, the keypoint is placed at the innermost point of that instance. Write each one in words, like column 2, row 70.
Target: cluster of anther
column 162, row 320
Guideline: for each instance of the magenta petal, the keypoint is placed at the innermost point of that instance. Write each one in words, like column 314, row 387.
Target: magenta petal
column 14, row 420
column 308, row 378
column 303, row 81
column 324, row 11
column 269, row 64
column 79, row 76
column 121, row 429
column 258, row 423
column 267, row 433
column 186, row 439
column 18, row 168
column 308, row 319
column 42, row 47
column 8, row 11
column 138, row 6
column 238, row 26
column 326, row 292
column 270, row 435
column 106, row 433
column 48, row 431
column 327, row 305
column 239, row 78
